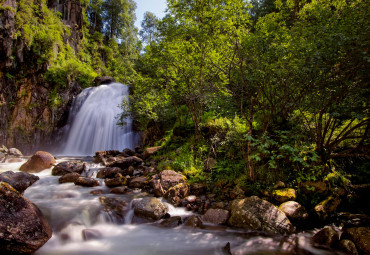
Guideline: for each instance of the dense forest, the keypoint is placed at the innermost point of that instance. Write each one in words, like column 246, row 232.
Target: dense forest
column 236, row 92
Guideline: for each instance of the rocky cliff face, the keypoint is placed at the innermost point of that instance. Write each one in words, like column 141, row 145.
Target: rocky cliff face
column 27, row 118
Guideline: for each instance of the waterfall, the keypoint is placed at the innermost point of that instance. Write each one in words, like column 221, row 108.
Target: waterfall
column 92, row 124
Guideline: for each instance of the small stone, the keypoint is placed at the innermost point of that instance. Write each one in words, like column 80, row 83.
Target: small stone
column 284, row 195
column 91, row 234
column 327, row 236
column 86, row 182
column 70, row 177
column 96, row 192
column 119, row 190
column 194, row 222
column 216, row 216
column 171, row 222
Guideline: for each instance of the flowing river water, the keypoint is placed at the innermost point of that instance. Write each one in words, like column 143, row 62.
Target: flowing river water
column 71, row 209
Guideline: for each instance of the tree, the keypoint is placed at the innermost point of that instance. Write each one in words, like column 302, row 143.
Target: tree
column 149, row 28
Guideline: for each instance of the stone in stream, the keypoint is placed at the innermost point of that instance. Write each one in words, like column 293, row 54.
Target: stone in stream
column 119, row 190
column 109, row 172
column 41, row 160
column 70, row 177
column 327, row 237
column 138, row 182
column 68, row 167
column 19, row 181
column 116, row 208
column 348, row 247
column 118, row 180
column 258, row 214
column 150, row 208
column 296, row 213
column 171, row 222
column 23, row 227
column 216, row 216
column 15, row 152
column 124, row 163
column 361, row 238
column 175, row 194
column 86, row 182
column 194, row 222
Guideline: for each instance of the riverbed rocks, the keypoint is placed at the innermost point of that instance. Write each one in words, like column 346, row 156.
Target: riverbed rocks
column 19, row 180
column 86, row 182
column 295, row 212
column 258, row 214
column 327, row 236
column 41, row 160
column 360, row 237
column 150, row 208
column 70, row 177
column 118, row 180
column 23, row 228
column 170, row 178
column 138, row 182
column 327, row 207
column 124, row 163
column 109, row 172
column 216, row 216
column 68, row 167
column 194, row 222
column 175, row 194
column 115, row 208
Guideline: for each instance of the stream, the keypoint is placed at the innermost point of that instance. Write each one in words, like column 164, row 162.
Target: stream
column 70, row 209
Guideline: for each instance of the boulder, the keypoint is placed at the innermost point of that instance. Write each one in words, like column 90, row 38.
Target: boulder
column 118, row 180
column 91, row 234
column 128, row 152
column 150, row 208
column 15, row 152
column 23, row 228
column 194, row 222
column 109, row 172
column 119, row 190
column 86, row 182
column 327, row 237
column 115, row 208
column 361, row 238
column 19, row 181
column 68, row 167
column 157, row 187
column 104, row 80
column 258, row 214
column 170, row 178
column 348, row 247
column 41, row 160
column 284, row 195
column 216, row 216
column 295, row 212
column 70, row 177
column 175, row 194
column 138, row 182
column 151, row 151
column 171, row 222
column 327, row 207
column 102, row 156
column 124, row 163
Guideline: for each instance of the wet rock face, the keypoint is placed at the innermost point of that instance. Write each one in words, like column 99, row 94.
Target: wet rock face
column 41, row 160
column 150, row 208
column 19, row 181
column 68, row 167
column 116, row 208
column 258, row 214
column 23, row 228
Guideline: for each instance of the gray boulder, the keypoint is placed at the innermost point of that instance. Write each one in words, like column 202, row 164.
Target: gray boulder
column 150, row 208
column 68, row 167
column 23, row 227
column 258, row 214
column 19, row 181
column 216, row 216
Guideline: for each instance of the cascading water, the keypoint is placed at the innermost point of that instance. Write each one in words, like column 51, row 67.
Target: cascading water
column 93, row 122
